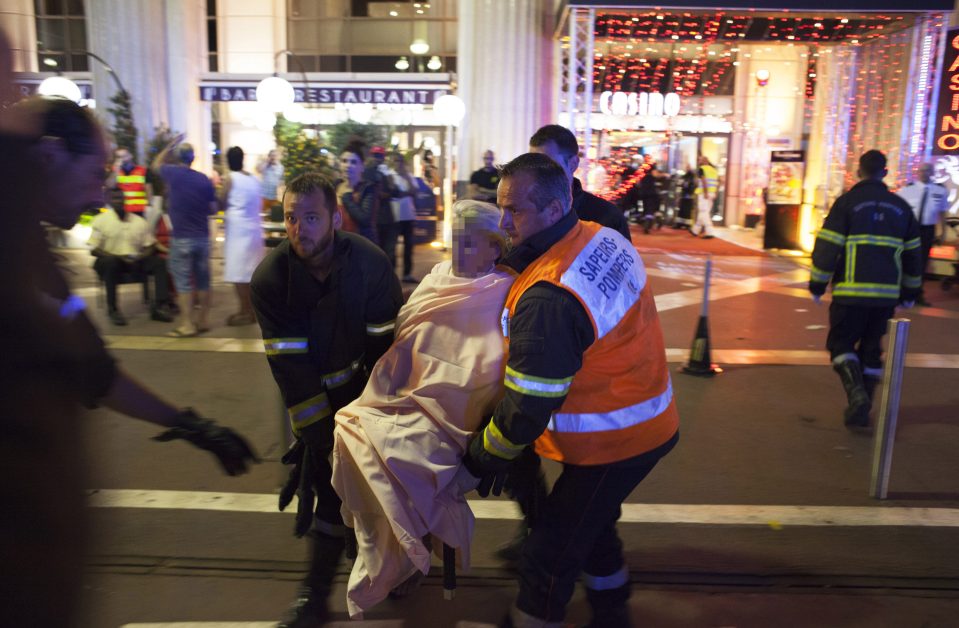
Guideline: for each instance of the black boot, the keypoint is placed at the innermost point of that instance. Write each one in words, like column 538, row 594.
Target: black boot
column 610, row 608
column 310, row 609
column 857, row 412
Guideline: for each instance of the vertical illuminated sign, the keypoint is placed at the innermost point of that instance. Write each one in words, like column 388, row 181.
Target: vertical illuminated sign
column 947, row 115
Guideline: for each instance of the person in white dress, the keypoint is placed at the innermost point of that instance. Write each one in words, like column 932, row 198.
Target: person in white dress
column 243, row 248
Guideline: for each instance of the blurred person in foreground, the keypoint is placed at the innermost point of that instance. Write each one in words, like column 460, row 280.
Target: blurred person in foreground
column 398, row 446
column 587, row 385
column 326, row 301
column 53, row 163
column 869, row 250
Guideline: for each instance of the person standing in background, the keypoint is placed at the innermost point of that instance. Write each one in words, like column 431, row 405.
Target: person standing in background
column 483, row 182
column 559, row 144
column 271, row 176
column 929, row 202
column 192, row 202
column 708, row 179
column 404, row 211
column 243, row 247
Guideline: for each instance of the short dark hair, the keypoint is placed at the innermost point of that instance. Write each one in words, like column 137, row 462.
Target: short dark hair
column 64, row 119
column 550, row 181
column 310, row 183
column 185, row 153
column 872, row 163
column 234, row 158
column 564, row 138
column 357, row 148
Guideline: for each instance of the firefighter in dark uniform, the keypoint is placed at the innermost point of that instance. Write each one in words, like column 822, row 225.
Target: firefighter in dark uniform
column 53, row 163
column 586, row 380
column 326, row 301
column 869, row 249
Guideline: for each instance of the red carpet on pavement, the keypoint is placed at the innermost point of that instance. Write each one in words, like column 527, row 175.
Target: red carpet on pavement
column 669, row 240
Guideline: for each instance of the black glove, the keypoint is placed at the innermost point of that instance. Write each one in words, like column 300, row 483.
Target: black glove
column 526, row 485
column 491, row 470
column 299, row 483
column 230, row 448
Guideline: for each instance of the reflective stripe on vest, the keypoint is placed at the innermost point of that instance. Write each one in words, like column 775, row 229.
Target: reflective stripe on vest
column 134, row 188
column 711, row 178
column 614, row 420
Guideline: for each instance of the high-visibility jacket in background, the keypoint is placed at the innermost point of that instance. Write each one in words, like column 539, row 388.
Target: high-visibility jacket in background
column 134, row 186
column 709, row 178
column 619, row 404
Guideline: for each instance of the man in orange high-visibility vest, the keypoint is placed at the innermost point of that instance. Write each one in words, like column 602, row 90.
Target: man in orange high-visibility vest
column 587, row 385
column 132, row 179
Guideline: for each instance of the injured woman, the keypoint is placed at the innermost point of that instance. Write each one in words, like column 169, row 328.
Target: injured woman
column 397, row 451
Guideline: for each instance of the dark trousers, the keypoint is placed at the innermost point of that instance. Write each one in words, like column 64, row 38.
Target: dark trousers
column 577, row 532
column 112, row 268
column 650, row 205
column 858, row 329
column 387, row 236
column 405, row 229
column 926, row 236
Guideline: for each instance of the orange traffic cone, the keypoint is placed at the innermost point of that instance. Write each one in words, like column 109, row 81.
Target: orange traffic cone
column 700, row 362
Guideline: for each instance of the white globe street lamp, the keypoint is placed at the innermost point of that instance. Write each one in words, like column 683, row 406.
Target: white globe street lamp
column 60, row 86
column 450, row 109
column 419, row 47
column 402, row 64
column 275, row 93
column 434, row 63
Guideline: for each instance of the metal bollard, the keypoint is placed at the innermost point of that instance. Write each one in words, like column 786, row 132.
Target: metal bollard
column 885, row 436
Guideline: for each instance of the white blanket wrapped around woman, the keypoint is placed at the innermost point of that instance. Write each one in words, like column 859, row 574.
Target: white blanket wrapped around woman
column 398, row 446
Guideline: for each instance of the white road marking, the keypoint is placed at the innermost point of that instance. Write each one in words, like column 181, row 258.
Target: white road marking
column 787, row 357
column 702, row 514
column 378, row 623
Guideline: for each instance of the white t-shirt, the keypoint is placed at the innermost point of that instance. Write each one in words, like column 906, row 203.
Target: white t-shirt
column 937, row 201
column 127, row 237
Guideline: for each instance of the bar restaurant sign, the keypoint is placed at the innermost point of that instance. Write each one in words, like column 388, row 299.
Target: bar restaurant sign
column 947, row 115
column 327, row 94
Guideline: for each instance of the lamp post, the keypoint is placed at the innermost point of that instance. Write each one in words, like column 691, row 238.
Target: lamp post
column 67, row 88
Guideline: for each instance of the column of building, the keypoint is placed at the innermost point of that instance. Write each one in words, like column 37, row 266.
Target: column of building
column 158, row 49
column 505, row 64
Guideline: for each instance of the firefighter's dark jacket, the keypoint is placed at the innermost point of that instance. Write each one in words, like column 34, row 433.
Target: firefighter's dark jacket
column 549, row 332
column 322, row 339
column 868, row 248
column 594, row 209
